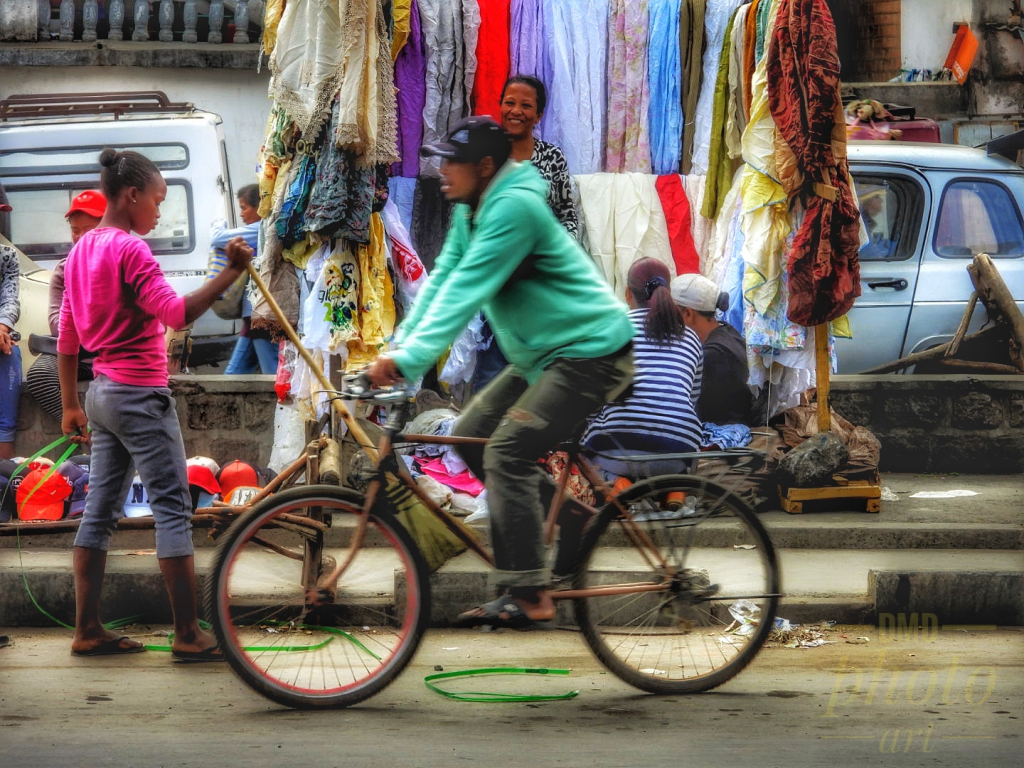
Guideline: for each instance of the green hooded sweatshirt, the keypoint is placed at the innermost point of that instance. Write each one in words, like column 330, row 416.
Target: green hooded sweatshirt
column 540, row 291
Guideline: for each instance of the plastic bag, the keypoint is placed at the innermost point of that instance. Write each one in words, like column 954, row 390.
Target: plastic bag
column 286, row 359
column 228, row 305
column 289, row 437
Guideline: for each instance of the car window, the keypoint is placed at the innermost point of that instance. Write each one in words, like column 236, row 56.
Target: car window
column 890, row 209
column 38, row 226
column 978, row 216
column 65, row 160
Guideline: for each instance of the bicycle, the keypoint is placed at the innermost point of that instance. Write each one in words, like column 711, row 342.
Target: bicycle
column 319, row 596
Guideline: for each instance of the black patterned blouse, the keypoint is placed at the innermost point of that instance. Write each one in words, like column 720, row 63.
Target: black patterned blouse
column 550, row 163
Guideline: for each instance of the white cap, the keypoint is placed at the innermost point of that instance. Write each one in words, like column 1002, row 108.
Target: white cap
column 137, row 503
column 695, row 292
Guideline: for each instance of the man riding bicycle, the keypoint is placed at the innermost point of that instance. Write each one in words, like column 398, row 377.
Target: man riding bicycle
column 565, row 335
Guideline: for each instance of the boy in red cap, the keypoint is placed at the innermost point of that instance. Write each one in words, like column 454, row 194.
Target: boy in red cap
column 41, row 379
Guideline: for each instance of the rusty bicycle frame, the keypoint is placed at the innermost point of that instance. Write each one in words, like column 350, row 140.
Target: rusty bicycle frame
column 636, row 535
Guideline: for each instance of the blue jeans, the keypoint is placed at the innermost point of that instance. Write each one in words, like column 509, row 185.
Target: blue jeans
column 252, row 355
column 10, row 391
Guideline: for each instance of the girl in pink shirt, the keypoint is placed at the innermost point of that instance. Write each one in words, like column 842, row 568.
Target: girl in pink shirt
column 116, row 304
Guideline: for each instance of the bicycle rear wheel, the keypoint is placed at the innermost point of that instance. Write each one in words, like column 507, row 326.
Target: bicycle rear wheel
column 711, row 578
column 327, row 647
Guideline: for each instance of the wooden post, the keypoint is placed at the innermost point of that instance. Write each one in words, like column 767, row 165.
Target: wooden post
column 353, row 426
column 822, row 372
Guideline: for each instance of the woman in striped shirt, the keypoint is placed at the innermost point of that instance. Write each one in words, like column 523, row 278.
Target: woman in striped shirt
column 660, row 415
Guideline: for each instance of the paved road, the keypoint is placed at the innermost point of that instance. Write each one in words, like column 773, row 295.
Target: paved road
column 948, row 697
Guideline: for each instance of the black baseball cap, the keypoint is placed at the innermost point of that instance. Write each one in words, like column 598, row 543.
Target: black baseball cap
column 471, row 140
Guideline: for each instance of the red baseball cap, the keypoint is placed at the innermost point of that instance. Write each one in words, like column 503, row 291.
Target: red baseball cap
column 43, row 495
column 91, row 202
column 238, row 474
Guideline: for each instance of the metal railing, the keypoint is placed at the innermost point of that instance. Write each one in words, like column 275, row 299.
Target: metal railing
column 188, row 21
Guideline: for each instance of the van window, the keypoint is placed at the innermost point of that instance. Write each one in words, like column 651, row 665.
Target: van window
column 891, row 208
column 68, row 160
column 38, row 226
column 978, row 217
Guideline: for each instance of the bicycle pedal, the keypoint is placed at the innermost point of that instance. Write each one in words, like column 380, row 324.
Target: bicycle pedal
column 320, row 596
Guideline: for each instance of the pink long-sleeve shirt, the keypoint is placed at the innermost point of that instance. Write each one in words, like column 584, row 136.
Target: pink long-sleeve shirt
column 117, row 303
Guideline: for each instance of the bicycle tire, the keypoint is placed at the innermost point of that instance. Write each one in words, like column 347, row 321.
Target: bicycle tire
column 676, row 641
column 318, row 654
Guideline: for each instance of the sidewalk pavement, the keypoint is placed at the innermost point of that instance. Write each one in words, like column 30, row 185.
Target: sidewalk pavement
column 959, row 558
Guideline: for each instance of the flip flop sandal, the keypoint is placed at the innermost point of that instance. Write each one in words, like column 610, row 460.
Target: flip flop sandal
column 503, row 613
column 213, row 653
column 113, row 647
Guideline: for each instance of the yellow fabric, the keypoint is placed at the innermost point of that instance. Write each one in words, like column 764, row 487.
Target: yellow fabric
column 300, row 252
column 376, row 299
column 766, row 221
column 401, row 14
column 841, row 327
column 271, row 19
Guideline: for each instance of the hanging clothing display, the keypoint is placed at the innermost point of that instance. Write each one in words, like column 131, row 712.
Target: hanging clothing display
column 330, row 314
column 527, row 52
column 410, row 80
column 766, row 221
column 342, row 197
column 693, row 185
column 492, row 58
column 409, row 270
column 576, row 32
column 665, row 74
column 803, row 95
column 306, row 64
column 402, row 13
column 366, row 98
column 718, row 14
column 691, row 54
column 376, row 300
column 628, row 135
column 625, row 221
column 401, row 193
column 720, row 164
column 679, row 222
column 431, row 215
column 446, row 60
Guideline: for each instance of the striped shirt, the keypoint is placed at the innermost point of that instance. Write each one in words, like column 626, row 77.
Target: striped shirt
column 660, row 414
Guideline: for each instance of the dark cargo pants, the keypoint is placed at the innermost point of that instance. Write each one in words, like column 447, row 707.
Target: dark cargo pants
column 523, row 423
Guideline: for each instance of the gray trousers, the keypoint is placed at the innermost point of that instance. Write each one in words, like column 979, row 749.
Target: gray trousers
column 523, row 423
column 136, row 425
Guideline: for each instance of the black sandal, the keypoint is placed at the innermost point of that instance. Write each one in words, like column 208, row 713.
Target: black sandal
column 503, row 613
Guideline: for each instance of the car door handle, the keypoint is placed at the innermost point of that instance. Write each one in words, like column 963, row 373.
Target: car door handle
column 896, row 284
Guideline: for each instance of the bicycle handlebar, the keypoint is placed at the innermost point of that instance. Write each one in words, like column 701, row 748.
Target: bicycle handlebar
column 359, row 387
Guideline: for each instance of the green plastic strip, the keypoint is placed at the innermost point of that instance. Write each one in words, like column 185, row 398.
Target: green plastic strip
column 493, row 697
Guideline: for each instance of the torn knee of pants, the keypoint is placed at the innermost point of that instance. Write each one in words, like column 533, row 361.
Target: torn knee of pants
column 518, row 415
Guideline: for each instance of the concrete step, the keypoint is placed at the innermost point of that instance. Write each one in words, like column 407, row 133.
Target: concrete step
column 953, row 586
column 832, row 531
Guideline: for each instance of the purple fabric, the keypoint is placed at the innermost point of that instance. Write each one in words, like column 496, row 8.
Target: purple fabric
column 410, row 79
column 526, row 46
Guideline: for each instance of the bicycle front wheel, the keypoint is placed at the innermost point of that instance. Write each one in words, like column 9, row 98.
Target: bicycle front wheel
column 287, row 631
column 689, row 580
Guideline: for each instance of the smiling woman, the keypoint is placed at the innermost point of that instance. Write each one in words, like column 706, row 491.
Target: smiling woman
column 523, row 101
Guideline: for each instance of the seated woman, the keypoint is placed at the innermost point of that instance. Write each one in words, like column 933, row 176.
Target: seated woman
column 725, row 398
column 660, row 415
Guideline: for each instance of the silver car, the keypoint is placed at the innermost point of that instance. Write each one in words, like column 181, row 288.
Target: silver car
column 928, row 209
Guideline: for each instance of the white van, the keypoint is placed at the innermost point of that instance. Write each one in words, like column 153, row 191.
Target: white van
column 49, row 149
